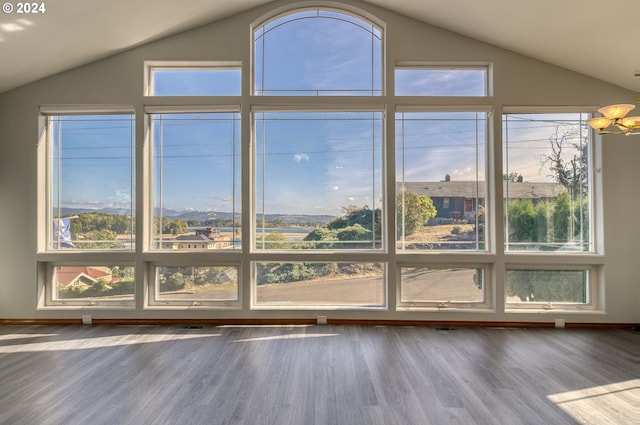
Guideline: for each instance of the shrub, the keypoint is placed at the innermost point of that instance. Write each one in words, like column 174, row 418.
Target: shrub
column 417, row 210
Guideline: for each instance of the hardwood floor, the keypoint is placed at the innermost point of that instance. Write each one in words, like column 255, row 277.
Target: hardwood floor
column 306, row 375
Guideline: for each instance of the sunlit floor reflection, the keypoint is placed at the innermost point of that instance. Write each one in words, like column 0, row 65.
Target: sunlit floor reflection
column 612, row 404
column 24, row 336
column 289, row 336
column 97, row 342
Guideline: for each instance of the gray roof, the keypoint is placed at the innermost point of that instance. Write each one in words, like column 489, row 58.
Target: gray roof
column 192, row 238
column 472, row 189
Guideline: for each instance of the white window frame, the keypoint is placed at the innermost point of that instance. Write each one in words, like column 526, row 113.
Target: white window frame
column 88, row 302
column 47, row 259
column 155, row 301
column 153, row 258
column 487, row 67
column 332, row 6
column 255, row 305
column 489, row 231
column 494, row 260
column 592, row 261
column 594, row 275
column 448, row 305
column 149, row 111
column 152, row 65
column 254, row 200
column 595, row 184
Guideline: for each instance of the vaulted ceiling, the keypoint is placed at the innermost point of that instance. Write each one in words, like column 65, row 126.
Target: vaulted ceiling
column 595, row 38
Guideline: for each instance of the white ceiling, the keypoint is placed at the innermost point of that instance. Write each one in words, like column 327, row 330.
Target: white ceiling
column 596, row 38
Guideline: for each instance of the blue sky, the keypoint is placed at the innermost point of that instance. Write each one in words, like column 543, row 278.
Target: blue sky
column 196, row 157
column 91, row 161
column 318, row 163
column 528, row 138
column 334, row 54
column 431, row 145
column 306, row 163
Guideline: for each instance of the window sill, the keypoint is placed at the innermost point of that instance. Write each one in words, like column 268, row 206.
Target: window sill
column 68, row 307
column 435, row 309
column 537, row 310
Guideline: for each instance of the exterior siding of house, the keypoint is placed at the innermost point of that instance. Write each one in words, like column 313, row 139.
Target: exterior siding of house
column 464, row 197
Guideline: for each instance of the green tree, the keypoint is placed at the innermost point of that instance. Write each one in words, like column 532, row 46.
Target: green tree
column 323, row 237
column 547, row 285
column 173, row 282
column 99, row 288
column 98, row 239
column 92, row 221
column 121, row 287
column 321, row 234
column 175, row 227
column 356, row 232
column 364, row 216
column 511, row 177
column 278, row 223
column 562, row 219
column 413, row 212
column 521, row 221
column 338, row 223
column 270, row 273
column 549, row 224
column 273, row 240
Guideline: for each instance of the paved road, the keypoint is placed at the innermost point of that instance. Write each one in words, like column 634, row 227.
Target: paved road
column 421, row 285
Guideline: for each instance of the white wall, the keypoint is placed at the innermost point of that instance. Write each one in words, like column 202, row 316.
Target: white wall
column 518, row 80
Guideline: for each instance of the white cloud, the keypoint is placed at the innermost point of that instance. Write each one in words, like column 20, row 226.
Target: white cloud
column 299, row 157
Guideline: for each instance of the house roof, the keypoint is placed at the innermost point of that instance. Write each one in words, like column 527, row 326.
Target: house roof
column 472, row 189
column 66, row 275
column 192, row 238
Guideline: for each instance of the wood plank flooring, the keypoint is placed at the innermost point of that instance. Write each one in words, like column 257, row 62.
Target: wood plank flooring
column 317, row 375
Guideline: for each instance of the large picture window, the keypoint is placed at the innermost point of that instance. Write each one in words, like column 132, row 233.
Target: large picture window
column 318, row 180
column 547, row 182
column 440, row 180
column 90, row 190
column 87, row 171
column 196, row 181
column 293, row 177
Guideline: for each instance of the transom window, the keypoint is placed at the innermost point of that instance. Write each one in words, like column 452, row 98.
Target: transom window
column 193, row 79
column 417, row 79
column 318, row 52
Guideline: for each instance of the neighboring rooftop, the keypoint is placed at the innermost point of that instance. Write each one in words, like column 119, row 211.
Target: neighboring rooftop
column 472, row 189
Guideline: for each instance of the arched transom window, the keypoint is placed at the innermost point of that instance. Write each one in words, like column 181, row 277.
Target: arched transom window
column 317, row 52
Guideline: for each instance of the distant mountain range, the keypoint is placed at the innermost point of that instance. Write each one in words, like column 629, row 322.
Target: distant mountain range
column 203, row 216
